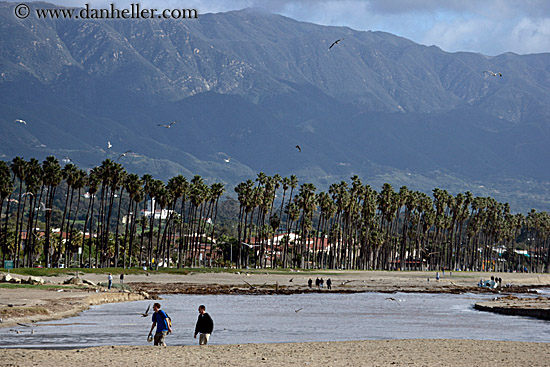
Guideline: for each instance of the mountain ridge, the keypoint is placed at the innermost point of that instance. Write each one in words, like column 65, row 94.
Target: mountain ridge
column 251, row 85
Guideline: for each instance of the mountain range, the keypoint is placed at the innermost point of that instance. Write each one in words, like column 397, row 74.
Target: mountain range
column 245, row 87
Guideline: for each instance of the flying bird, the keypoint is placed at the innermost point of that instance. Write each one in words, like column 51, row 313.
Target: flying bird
column 299, row 149
column 109, row 145
column 21, row 121
column 43, row 207
column 335, row 42
column 124, row 154
column 226, row 160
column 168, row 125
column 298, row 310
column 146, row 311
column 493, row 73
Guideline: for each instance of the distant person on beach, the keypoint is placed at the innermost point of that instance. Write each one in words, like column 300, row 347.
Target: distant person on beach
column 121, row 278
column 437, row 275
column 321, row 282
column 309, row 282
column 329, row 283
column 160, row 320
column 204, row 327
column 110, row 279
column 317, row 283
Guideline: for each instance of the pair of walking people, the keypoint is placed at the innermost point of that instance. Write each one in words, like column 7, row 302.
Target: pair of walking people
column 204, row 326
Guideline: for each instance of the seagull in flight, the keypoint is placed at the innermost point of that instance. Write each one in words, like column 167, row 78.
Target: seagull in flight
column 226, row 160
column 124, row 154
column 168, row 125
column 21, row 121
column 146, row 311
column 298, row 310
column 299, row 149
column 493, row 73
column 109, row 145
column 43, row 207
column 335, row 43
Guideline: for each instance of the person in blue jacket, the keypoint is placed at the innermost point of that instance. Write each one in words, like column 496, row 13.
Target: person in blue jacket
column 160, row 320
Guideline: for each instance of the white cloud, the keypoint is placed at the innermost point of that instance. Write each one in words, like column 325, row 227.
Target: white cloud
column 531, row 36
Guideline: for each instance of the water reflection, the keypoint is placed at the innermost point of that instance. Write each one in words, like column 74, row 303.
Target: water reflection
column 294, row 318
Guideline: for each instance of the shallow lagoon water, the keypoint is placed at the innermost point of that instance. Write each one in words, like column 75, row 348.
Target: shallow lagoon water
column 287, row 318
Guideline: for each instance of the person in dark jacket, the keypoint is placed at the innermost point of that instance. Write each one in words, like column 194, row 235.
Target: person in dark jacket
column 204, row 327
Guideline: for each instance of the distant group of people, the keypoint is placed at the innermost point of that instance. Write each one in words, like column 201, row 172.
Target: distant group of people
column 163, row 323
column 110, row 280
column 319, row 283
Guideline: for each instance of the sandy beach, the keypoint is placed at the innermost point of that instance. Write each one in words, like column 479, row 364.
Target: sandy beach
column 352, row 353
column 29, row 305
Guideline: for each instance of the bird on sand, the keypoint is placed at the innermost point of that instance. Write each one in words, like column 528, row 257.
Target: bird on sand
column 299, row 149
column 109, row 145
column 124, row 154
column 493, row 73
column 168, row 125
column 146, row 311
column 21, row 121
column 335, row 43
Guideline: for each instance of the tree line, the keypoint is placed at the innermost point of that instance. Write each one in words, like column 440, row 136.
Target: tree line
column 129, row 220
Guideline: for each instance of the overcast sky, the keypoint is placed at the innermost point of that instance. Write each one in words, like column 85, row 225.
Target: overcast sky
column 490, row 27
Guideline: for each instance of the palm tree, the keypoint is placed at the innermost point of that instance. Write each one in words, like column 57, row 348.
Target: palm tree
column 68, row 174
column 118, row 183
column 138, row 197
column 6, row 189
column 307, row 204
column 18, row 167
column 178, row 187
column 33, row 181
column 78, row 184
column 152, row 188
column 216, row 191
column 133, row 186
column 52, row 179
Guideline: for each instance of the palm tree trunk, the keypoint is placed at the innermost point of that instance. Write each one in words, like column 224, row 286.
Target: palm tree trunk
column 117, row 249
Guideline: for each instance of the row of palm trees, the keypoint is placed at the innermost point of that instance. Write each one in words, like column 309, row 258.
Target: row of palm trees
column 175, row 218
column 354, row 227
column 130, row 220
